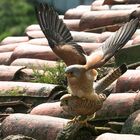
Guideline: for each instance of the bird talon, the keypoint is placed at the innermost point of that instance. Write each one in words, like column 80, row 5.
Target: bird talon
column 85, row 123
column 83, row 98
column 74, row 120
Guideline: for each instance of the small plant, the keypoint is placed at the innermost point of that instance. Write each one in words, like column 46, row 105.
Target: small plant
column 50, row 75
column 13, row 92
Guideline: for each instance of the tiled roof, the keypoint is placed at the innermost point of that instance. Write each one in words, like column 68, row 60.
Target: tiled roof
column 90, row 26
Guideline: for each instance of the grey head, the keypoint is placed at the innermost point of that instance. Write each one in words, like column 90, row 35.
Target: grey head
column 74, row 70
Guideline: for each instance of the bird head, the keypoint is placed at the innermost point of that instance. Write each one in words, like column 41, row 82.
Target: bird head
column 64, row 100
column 74, row 71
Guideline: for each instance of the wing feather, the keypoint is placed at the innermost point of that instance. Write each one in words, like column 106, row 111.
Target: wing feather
column 59, row 36
column 114, row 43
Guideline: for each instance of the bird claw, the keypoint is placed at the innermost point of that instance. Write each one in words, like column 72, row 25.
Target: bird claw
column 76, row 120
column 85, row 123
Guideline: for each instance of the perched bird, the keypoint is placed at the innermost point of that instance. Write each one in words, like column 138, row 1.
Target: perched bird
column 79, row 107
column 80, row 70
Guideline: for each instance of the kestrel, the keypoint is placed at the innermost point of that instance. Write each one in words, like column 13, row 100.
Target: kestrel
column 81, row 73
column 78, row 107
column 80, row 70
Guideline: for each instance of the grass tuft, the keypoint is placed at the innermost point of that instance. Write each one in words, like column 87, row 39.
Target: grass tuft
column 55, row 75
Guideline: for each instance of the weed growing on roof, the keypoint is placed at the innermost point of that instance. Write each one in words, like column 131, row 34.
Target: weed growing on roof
column 51, row 75
column 17, row 91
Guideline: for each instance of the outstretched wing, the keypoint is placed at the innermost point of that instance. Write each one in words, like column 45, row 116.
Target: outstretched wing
column 59, row 36
column 114, row 43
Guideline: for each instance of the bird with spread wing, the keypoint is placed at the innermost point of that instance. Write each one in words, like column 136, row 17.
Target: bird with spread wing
column 81, row 68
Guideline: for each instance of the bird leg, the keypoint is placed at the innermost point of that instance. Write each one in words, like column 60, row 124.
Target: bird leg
column 91, row 117
column 82, row 120
column 74, row 120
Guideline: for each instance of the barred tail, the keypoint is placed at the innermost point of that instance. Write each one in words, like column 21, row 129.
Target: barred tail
column 102, row 84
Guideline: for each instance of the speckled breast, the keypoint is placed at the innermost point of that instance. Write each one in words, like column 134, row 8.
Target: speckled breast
column 79, row 106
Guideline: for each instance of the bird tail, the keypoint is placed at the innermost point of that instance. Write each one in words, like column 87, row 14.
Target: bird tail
column 103, row 83
column 53, row 28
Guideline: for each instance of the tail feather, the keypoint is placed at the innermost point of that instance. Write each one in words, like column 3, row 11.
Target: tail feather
column 102, row 84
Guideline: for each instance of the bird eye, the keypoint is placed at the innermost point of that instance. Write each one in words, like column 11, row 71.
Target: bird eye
column 69, row 74
column 66, row 102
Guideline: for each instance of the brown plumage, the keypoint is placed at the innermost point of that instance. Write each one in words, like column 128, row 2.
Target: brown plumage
column 81, row 69
column 78, row 106
column 59, row 36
